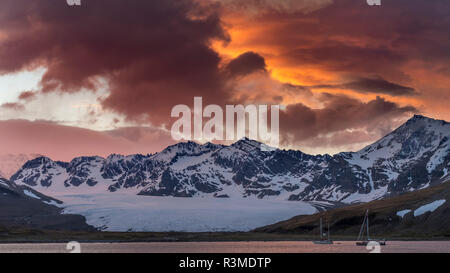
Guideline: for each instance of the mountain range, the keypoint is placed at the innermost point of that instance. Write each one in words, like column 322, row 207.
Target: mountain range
column 412, row 157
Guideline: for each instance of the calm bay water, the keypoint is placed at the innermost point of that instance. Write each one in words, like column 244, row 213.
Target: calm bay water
column 232, row 247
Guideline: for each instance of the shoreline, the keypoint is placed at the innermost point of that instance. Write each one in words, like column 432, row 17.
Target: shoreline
column 248, row 247
column 43, row 237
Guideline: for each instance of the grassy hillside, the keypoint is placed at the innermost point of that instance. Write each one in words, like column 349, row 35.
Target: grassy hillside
column 384, row 221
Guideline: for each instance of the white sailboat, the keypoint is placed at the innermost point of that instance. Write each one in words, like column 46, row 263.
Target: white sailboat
column 365, row 229
column 324, row 240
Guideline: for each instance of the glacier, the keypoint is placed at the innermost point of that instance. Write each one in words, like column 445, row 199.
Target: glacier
column 129, row 212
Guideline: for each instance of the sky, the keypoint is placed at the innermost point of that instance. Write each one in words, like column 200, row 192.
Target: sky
column 102, row 78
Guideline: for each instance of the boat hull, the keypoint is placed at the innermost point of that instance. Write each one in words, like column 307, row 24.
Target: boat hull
column 323, row 242
column 365, row 243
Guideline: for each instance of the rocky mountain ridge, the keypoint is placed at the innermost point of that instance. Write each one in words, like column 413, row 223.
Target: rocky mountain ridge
column 414, row 156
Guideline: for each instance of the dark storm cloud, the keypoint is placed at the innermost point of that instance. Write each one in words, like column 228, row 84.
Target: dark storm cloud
column 373, row 85
column 245, row 64
column 340, row 57
column 351, row 37
column 155, row 54
column 299, row 122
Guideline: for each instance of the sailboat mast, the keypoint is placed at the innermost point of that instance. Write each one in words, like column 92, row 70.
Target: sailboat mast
column 328, row 231
column 363, row 225
column 321, row 232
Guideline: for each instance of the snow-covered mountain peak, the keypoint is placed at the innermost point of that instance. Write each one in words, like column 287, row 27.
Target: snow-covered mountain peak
column 411, row 157
column 78, row 160
column 39, row 162
column 251, row 146
column 10, row 163
column 182, row 148
column 246, row 143
column 113, row 158
column 417, row 134
column 421, row 123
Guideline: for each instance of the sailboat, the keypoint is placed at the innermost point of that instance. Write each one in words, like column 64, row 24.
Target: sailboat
column 365, row 229
column 323, row 240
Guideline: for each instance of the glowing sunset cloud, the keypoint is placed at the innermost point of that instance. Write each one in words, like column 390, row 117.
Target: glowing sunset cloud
column 347, row 72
